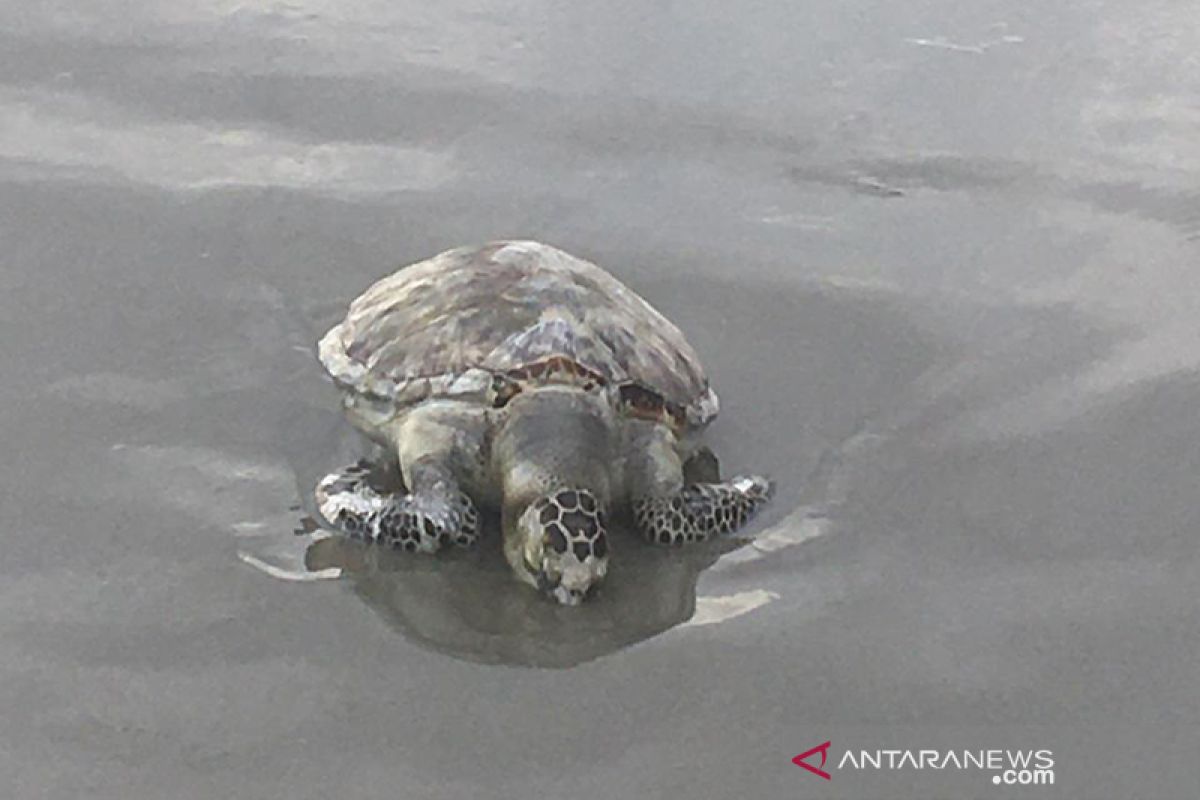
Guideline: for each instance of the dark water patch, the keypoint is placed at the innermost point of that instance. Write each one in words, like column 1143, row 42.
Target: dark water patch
column 471, row 607
column 893, row 178
column 1177, row 208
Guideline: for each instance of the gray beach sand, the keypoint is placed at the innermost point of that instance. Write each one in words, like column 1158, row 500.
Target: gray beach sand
column 940, row 259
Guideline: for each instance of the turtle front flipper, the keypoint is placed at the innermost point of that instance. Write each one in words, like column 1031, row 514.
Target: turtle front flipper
column 420, row 522
column 700, row 510
column 669, row 511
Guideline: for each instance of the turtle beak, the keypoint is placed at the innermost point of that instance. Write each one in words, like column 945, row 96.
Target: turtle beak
column 567, row 597
column 577, row 581
column 555, row 589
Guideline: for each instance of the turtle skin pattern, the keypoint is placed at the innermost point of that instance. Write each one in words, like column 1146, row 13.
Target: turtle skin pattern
column 573, row 519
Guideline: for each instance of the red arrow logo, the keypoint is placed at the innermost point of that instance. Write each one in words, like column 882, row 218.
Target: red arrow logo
column 822, row 749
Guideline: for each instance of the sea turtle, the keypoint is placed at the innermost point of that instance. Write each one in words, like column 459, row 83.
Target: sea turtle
column 520, row 377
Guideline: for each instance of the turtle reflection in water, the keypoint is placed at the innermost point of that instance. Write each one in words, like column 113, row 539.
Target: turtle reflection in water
column 518, row 377
column 465, row 604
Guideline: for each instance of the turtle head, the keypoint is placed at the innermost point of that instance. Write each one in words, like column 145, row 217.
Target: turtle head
column 553, row 451
column 562, row 544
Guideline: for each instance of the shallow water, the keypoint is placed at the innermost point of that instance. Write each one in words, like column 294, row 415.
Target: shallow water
column 938, row 258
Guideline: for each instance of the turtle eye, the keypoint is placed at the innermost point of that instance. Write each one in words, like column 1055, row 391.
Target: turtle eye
column 544, row 582
column 538, row 571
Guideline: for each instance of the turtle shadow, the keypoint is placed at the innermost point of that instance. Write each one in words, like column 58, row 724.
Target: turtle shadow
column 467, row 605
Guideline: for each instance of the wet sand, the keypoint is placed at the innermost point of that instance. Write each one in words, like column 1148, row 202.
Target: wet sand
column 939, row 262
